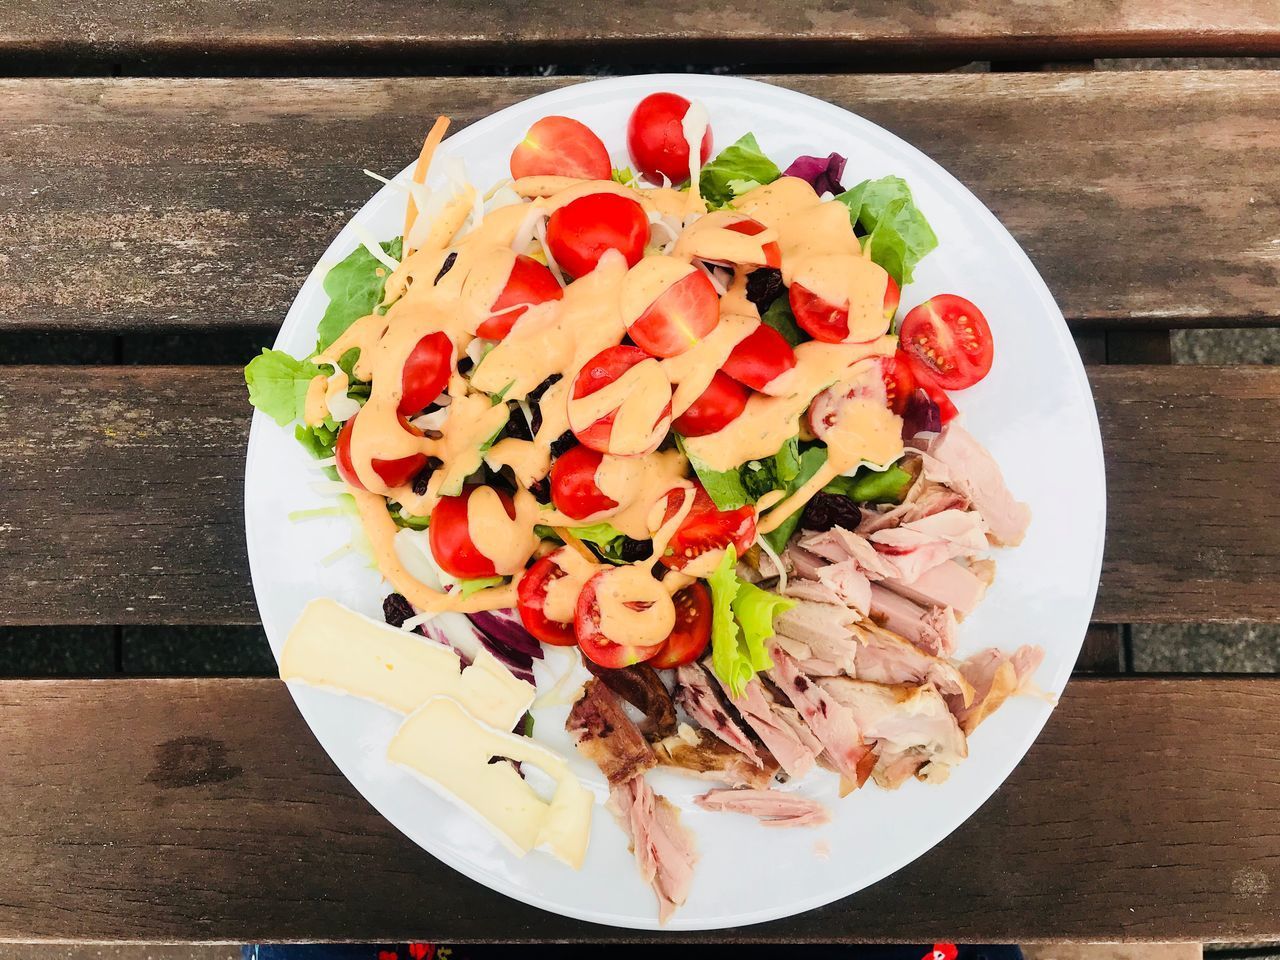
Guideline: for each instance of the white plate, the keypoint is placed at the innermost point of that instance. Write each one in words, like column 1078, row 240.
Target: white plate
column 1034, row 412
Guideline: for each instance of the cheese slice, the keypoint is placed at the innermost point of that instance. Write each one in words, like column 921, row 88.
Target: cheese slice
column 337, row 649
column 449, row 749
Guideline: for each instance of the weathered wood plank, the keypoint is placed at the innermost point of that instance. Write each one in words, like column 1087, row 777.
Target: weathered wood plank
column 1141, row 813
column 206, row 34
column 1144, row 198
column 122, row 492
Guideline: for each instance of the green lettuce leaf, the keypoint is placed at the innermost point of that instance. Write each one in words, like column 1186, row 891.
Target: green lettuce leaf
column 355, row 288
column 607, row 538
column 873, row 486
column 278, row 384
column 741, row 621
column 754, row 609
column 468, row 587
column 810, row 461
column 737, row 169
column 897, row 232
column 780, row 317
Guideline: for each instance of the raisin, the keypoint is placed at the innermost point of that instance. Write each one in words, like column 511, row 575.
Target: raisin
column 424, row 476
column 827, row 510
column 541, row 490
column 396, row 609
column 447, row 266
column 465, row 364
column 537, row 392
column 632, row 551
column 764, row 285
column 563, row 444
column 517, row 426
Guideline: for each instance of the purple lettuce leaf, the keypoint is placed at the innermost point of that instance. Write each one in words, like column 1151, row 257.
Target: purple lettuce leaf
column 822, row 173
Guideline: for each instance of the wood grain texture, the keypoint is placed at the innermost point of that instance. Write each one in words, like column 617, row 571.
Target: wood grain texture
column 1145, row 199
column 122, row 492
column 1140, row 813
column 207, row 33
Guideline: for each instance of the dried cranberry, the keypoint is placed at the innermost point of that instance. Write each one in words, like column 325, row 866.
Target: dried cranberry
column 446, row 267
column 827, row 510
column 396, row 609
column 541, row 490
column 633, row 551
column 424, row 477
column 764, row 285
column 537, row 392
column 517, row 426
column 563, row 444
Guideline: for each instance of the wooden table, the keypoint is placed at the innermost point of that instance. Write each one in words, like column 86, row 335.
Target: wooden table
column 187, row 211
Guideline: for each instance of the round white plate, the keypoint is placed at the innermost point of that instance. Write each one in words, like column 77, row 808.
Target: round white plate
column 1034, row 412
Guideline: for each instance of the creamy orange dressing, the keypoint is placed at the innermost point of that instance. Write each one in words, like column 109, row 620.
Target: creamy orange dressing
column 557, row 338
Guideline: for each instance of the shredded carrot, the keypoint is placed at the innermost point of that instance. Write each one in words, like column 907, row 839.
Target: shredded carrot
column 571, row 541
column 438, row 130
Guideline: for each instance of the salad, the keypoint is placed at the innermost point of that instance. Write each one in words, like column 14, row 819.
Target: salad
column 666, row 415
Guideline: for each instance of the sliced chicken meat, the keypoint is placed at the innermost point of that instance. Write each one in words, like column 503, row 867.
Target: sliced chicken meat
column 919, row 545
column 995, row 677
column 831, row 723
column 700, row 753
column 901, row 719
column 771, row 807
column 663, row 849
column 701, row 699
column 974, row 473
column 885, row 657
column 946, row 585
column 820, row 635
column 932, row 629
column 607, row 736
column 780, row 738
column 838, row 544
column 640, row 685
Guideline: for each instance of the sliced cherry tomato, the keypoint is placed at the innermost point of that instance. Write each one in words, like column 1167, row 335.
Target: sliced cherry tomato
column 692, row 631
column 706, row 528
column 682, row 315
column 531, row 603
column 829, row 323
column 899, row 381
column 426, row 373
column 826, row 407
column 595, row 645
column 760, row 359
column 600, row 371
column 949, row 339
column 946, row 409
column 772, row 252
column 529, row 283
column 656, row 141
column 451, row 543
column 573, row 484
column 394, row 473
column 560, row 147
column 720, row 404
column 582, row 230
column 892, row 297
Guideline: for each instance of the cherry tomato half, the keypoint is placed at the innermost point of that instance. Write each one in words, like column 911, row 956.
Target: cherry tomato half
column 394, row 473
column 948, row 337
column 682, row 315
column 892, row 297
column 600, row 371
column 573, row 484
column 560, row 147
column 720, row 404
column 582, row 230
column 706, row 528
column 426, row 373
column 595, row 645
column 826, row 322
column 692, row 632
column 451, row 543
column 529, row 283
column 946, row 409
column 772, row 252
column 531, row 603
column 899, row 381
column 656, row 141
column 760, row 359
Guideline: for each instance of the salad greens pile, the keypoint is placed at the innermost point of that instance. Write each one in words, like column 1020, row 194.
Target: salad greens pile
column 884, row 216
